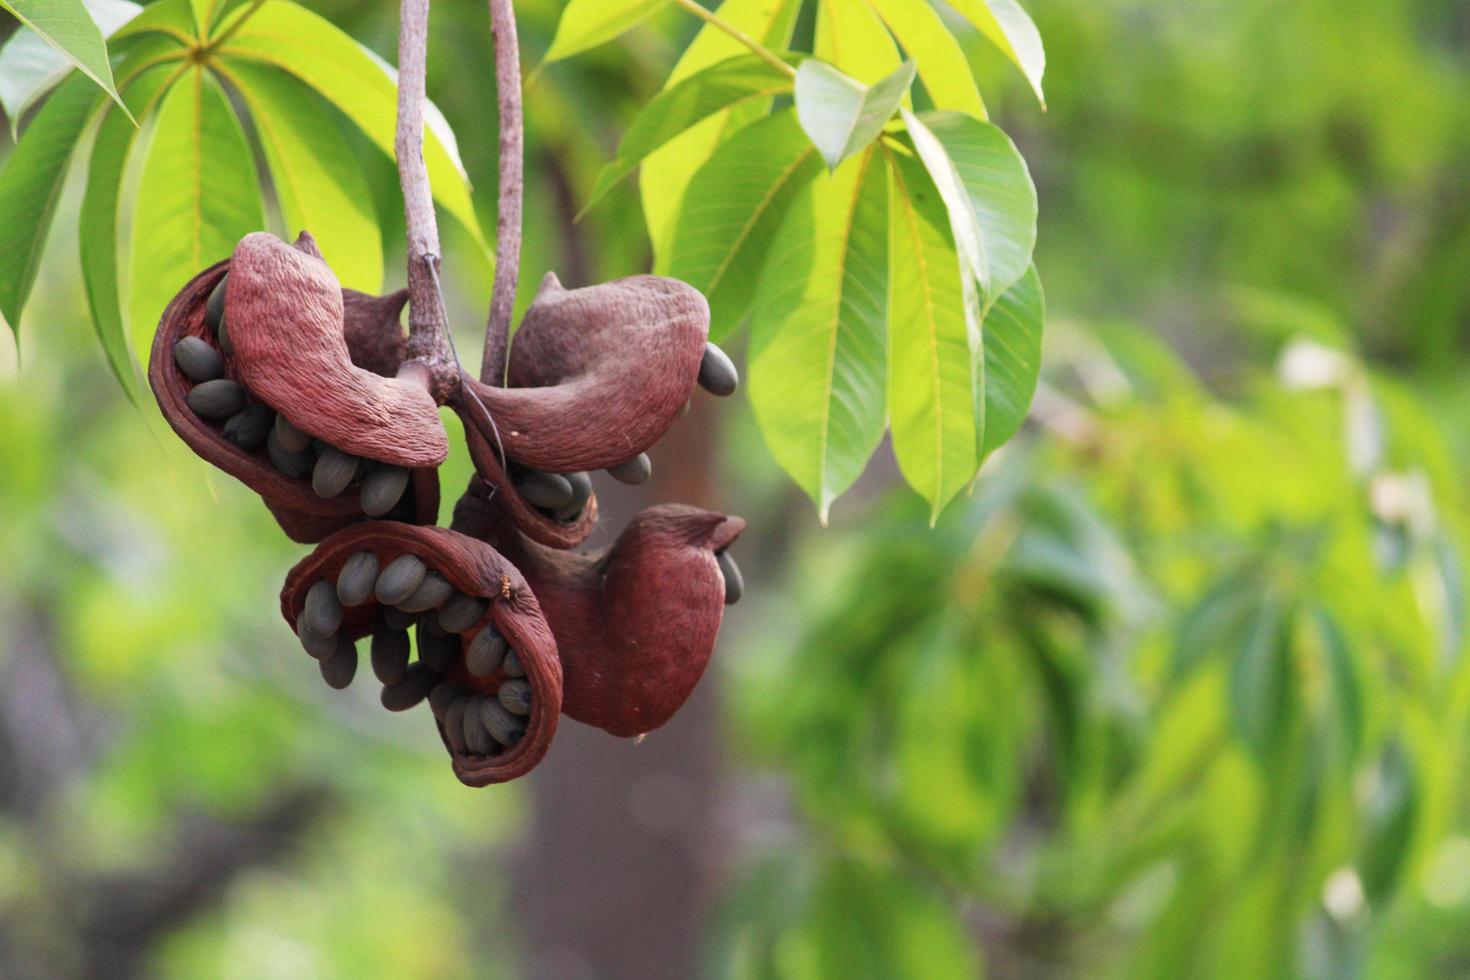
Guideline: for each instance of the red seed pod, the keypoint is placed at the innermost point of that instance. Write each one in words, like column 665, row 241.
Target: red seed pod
column 636, row 624
column 479, row 574
column 596, row 377
column 328, row 369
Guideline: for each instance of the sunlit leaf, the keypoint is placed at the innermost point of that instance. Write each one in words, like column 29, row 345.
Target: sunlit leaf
column 736, row 205
column 30, row 185
column 98, row 225
column 936, row 380
column 198, row 195
column 585, row 24
column 1001, row 194
column 665, row 173
column 964, row 225
column 842, row 115
column 30, row 67
column 68, row 27
column 942, row 65
column 817, row 333
column 205, row 12
column 356, row 82
column 674, row 110
column 171, row 18
column 1011, row 30
column 1012, row 338
column 851, row 36
column 319, row 187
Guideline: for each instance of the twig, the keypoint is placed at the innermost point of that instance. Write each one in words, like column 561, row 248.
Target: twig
column 428, row 351
column 512, row 190
column 720, row 23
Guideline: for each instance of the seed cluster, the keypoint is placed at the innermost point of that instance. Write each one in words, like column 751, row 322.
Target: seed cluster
column 253, row 426
column 451, row 626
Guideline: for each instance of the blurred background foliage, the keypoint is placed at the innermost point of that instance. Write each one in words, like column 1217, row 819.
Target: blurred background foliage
column 1180, row 691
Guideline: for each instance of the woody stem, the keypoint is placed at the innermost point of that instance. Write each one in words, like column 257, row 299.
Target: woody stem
column 512, row 189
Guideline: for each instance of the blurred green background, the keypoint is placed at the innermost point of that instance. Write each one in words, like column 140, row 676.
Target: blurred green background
column 1181, row 690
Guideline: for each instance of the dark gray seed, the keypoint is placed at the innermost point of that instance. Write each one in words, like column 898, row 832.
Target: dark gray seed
column 323, row 610
column 295, row 465
column 319, row 647
column 634, row 471
column 485, row 652
column 398, row 581
column 248, row 429
column 339, row 669
column 717, row 372
column 476, row 738
column 214, row 307
column 334, row 470
column 397, row 619
column 291, row 438
column 198, row 359
column 431, row 593
column 442, row 696
column 454, row 724
column 503, row 726
column 382, row 488
column 515, row 697
column 356, row 580
column 414, row 687
column 390, row 655
column 549, row 490
column 436, row 652
column 431, row 623
column 512, row 665
column 581, row 493
column 223, row 336
column 461, row 612
column 734, row 581
column 218, row 399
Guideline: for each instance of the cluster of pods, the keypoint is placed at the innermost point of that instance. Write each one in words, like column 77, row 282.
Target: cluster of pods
column 304, row 391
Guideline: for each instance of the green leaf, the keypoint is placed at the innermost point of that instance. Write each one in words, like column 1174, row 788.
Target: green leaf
column 1011, row 30
column 1012, row 338
column 1344, row 681
column 30, row 67
column 1260, row 677
column 204, row 13
column 356, row 82
column 98, row 225
column 998, row 184
column 170, row 18
column 1388, row 831
column 319, row 186
column 963, row 224
column 841, row 114
column 693, row 100
column 851, row 36
column 68, row 27
column 936, row 379
column 198, row 195
column 666, row 173
column 817, row 335
column 585, row 24
column 737, row 202
column 30, row 186
column 942, row 64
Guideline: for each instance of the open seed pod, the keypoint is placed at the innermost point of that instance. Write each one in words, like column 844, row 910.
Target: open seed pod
column 596, row 377
column 635, row 625
column 266, row 387
column 487, row 659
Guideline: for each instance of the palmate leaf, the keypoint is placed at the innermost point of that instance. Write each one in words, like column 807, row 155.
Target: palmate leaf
column 817, row 333
column 851, row 36
column 30, row 67
column 673, row 111
column 665, row 174
column 841, row 114
column 736, row 204
column 1010, row 29
column 198, row 195
column 68, row 27
column 98, row 224
column 318, row 185
column 362, row 87
column 941, row 61
column 936, row 380
column 585, row 24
